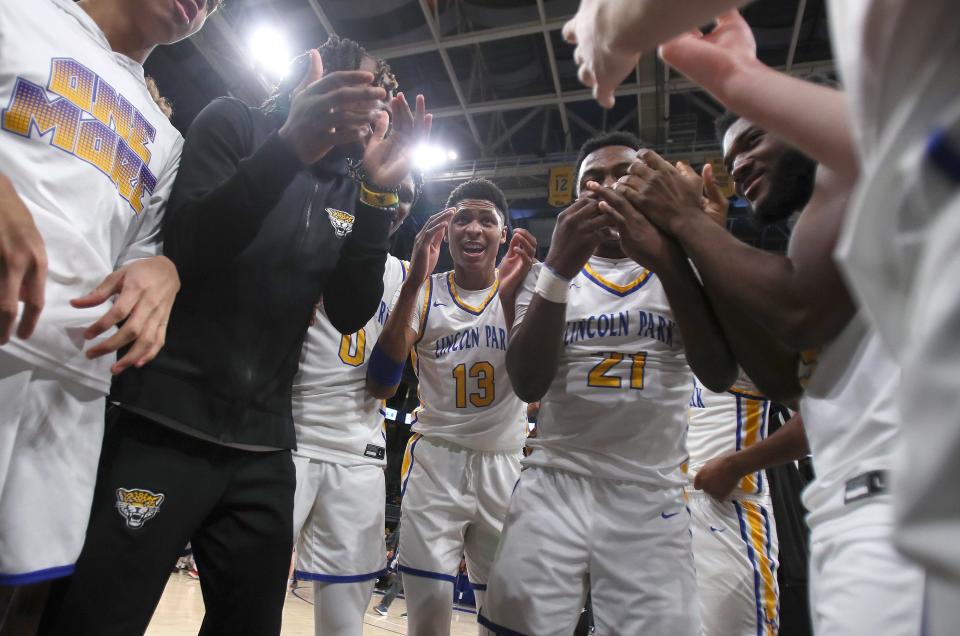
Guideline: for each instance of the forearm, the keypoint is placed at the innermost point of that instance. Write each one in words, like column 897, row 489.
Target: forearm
column 763, row 284
column 770, row 366
column 396, row 339
column 789, row 443
column 813, row 118
column 205, row 225
column 704, row 343
column 639, row 26
column 533, row 354
column 355, row 288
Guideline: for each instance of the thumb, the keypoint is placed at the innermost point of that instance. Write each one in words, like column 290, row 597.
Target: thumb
column 686, row 170
column 314, row 72
column 569, row 31
column 710, row 183
column 380, row 126
column 110, row 286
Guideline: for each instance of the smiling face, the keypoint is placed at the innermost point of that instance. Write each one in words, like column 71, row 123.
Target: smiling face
column 775, row 178
column 475, row 234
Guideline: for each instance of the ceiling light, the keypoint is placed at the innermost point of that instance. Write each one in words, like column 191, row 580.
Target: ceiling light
column 270, row 52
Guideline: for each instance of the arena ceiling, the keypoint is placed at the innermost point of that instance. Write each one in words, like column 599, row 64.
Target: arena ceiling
column 497, row 75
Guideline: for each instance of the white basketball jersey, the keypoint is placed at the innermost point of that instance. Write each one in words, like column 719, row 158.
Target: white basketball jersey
column 850, row 415
column 336, row 419
column 460, row 358
column 93, row 159
column 617, row 406
column 723, row 422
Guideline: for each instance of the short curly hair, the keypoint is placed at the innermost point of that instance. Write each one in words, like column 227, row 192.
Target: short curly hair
column 615, row 138
column 483, row 189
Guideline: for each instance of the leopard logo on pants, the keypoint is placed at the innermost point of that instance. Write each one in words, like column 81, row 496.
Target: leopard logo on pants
column 137, row 506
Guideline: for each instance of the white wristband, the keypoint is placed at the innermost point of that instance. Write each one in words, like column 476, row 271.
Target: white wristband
column 551, row 286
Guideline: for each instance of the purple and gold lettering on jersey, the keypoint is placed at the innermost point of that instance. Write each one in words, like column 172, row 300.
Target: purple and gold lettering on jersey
column 86, row 117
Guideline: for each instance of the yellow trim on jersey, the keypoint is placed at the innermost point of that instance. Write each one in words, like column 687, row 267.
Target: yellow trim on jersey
column 408, row 457
column 619, row 290
column 753, row 395
column 751, row 435
column 451, row 285
column 767, row 593
column 425, row 309
column 405, row 266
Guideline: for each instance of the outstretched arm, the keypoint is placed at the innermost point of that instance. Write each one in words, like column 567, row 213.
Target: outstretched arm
column 611, row 34
column 801, row 299
column 720, row 475
column 813, row 118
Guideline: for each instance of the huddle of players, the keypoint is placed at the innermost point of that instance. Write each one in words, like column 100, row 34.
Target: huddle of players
column 598, row 371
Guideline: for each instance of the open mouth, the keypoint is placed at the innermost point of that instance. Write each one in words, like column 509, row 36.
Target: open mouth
column 474, row 249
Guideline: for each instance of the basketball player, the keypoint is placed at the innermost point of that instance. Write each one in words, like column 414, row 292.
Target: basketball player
column 265, row 219
column 462, row 462
column 735, row 543
column 606, row 334
column 338, row 513
column 87, row 161
column 859, row 584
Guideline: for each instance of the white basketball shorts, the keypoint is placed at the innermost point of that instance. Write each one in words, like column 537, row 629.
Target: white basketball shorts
column 735, row 552
column 859, row 584
column 338, row 521
column 454, row 503
column 629, row 543
column 51, row 431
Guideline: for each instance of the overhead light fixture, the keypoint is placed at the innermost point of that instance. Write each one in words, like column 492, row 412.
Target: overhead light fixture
column 428, row 157
column 269, row 50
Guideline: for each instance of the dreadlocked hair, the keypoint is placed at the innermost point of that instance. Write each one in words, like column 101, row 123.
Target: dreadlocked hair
column 338, row 54
column 418, row 183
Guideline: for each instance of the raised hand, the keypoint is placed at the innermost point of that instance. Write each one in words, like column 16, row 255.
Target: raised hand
column 426, row 247
column 639, row 238
column 516, row 264
column 600, row 65
column 579, row 230
column 661, row 192
column 330, row 110
column 23, row 265
column 146, row 291
column 388, row 156
column 714, row 202
column 709, row 60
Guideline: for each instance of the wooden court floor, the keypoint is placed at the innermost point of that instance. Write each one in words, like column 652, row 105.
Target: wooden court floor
column 181, row 611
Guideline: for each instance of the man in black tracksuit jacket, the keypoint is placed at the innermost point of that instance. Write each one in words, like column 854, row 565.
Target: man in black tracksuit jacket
column 198, row 442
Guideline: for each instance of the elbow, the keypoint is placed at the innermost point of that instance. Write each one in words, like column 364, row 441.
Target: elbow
column 379, row 391
column 526, row 385
column 812, row 326
column 720, row 378
column 348, row 318
column 785, row 391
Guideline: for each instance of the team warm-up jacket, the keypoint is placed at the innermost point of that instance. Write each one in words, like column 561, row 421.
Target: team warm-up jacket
column 257, row 240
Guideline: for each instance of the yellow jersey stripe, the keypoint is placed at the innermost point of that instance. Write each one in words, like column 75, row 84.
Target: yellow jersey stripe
column 751, row 435
column 451, row 285
column 614, row 288
column 768, row 590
